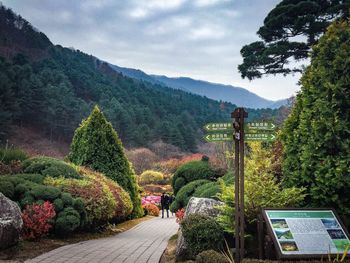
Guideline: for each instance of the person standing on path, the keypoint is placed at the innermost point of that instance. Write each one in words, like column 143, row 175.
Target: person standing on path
column 164, row 201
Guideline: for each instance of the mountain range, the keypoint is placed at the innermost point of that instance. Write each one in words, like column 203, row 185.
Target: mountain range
column 236, row 95
column 52, row 88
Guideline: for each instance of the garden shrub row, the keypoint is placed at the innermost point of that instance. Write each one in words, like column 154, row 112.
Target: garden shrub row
column 26, row 189
column 185, row 193
column 192, row 171
column 82, row 198
column 48, row 166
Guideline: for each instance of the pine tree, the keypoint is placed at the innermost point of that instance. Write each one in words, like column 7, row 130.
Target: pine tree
column 96, row 144
column 316, row 135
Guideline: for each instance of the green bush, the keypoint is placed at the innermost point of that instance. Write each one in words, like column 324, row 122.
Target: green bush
column 58, row 204
column 202, row 233
column 20, row 189
column 48, row 193
column 208, row 190
column 48, row 166
column 67, row 199
column 192, row 171
column 7, row 189
column 28, row 199
column 185, row 193
column 179, row 183
column 97, row 145
column 67, row 221
column 150, row 177
column 79, row 205
column 8, row 155
column 35, row 178
column 210, row 256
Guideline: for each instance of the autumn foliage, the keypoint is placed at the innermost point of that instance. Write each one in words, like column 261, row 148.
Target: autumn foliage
column 151, row 209
column 36, row 219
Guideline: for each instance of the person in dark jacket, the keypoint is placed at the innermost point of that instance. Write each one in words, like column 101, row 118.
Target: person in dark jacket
column 164, row 201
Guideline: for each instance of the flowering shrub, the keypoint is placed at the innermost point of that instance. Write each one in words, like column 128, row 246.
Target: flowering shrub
column 151, row 199
column 180, row 215
column 36, row 220
column 151, row 209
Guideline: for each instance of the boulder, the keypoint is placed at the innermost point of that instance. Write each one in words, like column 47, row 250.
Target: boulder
column 10, row 222
column 196, row 205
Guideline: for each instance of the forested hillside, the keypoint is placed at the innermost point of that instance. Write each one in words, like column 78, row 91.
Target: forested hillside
column 53, row 88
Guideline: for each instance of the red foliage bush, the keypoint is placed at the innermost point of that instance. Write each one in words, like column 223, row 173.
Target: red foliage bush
column 151, row 209
column 36, row 220
column 180, row 215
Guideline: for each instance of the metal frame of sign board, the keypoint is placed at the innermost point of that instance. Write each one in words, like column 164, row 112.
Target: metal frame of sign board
column 305, row 256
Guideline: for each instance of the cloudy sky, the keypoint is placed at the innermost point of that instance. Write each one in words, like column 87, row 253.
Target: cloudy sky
column 194, row 38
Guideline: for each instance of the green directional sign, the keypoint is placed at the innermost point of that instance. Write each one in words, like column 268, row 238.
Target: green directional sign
column 218, row 137
column 262, row 137
column 260, row 126
column 220, row 126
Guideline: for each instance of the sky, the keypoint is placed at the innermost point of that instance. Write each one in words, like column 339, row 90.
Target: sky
column 200, row 39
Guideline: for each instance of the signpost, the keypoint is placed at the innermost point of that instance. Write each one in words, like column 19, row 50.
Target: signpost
column 306, row 233
column 260, row 126
column 239, row 132
column 222, row 126
column 263, row 137
column 218, row 137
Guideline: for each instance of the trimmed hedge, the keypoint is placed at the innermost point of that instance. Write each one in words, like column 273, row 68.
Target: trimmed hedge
column 25, row 191
column 103, row 199
column 81, row 197
column 202, row 232
column 185, row 193
column 191, row 171
column 48, row 166
column 208, row 190
column 213, row 189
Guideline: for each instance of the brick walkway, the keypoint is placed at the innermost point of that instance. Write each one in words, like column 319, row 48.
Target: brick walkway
column 143, row 243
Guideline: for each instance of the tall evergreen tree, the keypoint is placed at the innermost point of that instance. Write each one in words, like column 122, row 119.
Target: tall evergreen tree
column 316, row 135
column 96, row 144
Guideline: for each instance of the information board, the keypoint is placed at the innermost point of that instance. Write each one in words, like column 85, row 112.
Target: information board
column 306, row 233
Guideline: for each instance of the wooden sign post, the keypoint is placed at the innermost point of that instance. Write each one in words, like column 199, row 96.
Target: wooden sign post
column 238, row 115
column 252, row 131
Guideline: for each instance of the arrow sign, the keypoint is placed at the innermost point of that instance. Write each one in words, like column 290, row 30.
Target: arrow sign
column 218, row 137
column 262, row 137
column 221, row 126
column 260, row 126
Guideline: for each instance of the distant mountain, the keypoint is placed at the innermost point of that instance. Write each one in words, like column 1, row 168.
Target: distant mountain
column 51, row 88
column 236, row 95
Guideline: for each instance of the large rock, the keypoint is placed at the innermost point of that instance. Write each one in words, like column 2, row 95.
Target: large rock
column 196, row 205
column 10, row 222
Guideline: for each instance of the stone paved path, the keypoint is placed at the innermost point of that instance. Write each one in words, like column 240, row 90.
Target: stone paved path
column 143, row 243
